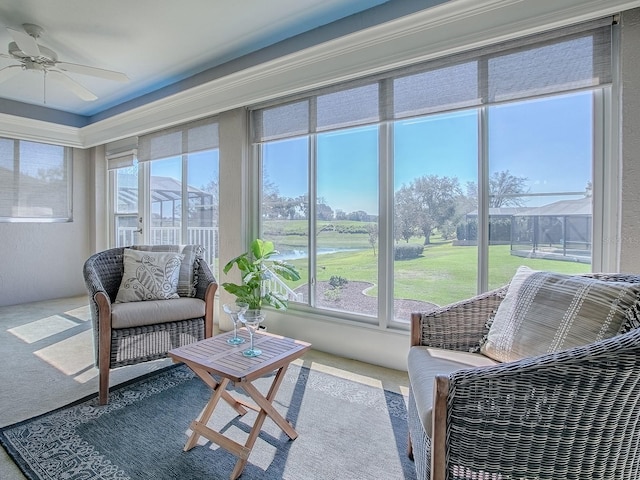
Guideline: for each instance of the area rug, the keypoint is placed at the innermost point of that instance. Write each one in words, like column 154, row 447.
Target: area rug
column 347, row 430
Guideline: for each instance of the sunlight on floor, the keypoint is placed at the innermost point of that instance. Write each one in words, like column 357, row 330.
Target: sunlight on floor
column 71, row 356
column 382, row 382
column 43, row 328
column 71, row 353
column 340, row 373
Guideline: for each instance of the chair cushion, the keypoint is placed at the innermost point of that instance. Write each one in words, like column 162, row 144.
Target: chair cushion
column 545, row 312
column 137, row 314
column 149, row 276
column 423, row 365
column 193, row 255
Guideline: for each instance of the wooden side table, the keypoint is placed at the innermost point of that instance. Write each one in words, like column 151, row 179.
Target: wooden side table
column 215, row 356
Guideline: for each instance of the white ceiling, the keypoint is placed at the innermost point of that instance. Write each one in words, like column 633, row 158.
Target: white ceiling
column 154, row 42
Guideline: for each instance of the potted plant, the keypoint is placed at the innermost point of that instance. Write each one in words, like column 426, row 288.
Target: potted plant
column 256, row 268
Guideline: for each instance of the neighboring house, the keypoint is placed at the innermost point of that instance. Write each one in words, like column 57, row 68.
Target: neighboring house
column 559, row 230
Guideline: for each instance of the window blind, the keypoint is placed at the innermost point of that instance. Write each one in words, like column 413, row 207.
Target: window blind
column 569, row 59
column 121, row 159
column 35, row 181
column 184, row 139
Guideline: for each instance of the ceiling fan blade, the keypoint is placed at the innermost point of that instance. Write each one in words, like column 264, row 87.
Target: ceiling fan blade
column 25, row 42
column 92, row 71
column 7, row 72
column 72, row 85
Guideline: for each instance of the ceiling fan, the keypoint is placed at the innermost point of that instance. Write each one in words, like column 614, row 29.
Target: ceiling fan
column 35, row 57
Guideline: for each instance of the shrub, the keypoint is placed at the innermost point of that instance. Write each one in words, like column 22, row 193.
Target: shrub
column 408, row 251
column 337, row 282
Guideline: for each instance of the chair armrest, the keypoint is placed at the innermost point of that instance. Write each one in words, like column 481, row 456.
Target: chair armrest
column 102, row 274
column 458, row 326
column 542, row 417
column 206, row 290
column 205, row 278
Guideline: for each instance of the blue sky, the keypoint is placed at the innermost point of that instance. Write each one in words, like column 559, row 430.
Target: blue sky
column 547, row 141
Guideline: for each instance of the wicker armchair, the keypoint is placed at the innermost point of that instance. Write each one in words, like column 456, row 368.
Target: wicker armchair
column 116, row 347
column 573, row 414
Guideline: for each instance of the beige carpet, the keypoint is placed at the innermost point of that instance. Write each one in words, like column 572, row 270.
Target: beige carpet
column 48, row 362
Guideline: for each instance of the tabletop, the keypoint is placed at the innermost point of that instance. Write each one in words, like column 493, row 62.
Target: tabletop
column 218, row 357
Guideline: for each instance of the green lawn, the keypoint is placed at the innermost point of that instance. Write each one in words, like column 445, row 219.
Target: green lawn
column 443, row 274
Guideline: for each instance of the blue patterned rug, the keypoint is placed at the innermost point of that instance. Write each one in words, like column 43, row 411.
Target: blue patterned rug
column 347, row 430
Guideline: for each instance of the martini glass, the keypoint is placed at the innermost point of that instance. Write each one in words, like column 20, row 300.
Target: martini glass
column 252, row 320
column 234, row 310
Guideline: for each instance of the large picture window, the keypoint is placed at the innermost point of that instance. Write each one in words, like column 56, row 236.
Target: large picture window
column 35, row 182
column 418, row 188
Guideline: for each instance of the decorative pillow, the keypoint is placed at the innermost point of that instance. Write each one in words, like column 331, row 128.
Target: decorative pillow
column 149, row 276
column 193, row 255
column 546, row 312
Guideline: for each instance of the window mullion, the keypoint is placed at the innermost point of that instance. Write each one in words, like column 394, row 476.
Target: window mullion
column 385, row 206
column 483, row 177
column 313, row 183
column 483, row 200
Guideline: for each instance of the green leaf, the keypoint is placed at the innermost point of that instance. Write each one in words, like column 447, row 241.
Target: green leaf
column 285, row 270
column 276, row 301
column 254, row 271
column 262, row 249
column 240, row 260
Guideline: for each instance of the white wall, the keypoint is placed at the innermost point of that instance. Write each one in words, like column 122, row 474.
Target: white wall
column 40, row 261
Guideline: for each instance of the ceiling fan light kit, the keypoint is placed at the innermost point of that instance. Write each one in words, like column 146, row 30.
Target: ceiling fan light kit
column 37, row 58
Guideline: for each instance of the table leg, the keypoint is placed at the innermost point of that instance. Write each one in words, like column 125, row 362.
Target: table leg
column 209, row 380
column 266, row 410
column 206, row 415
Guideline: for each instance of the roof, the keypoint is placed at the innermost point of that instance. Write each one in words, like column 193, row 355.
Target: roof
column 580, row 206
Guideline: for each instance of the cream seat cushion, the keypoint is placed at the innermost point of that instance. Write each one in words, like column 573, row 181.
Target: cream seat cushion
column 424, row 363
column 138, row 314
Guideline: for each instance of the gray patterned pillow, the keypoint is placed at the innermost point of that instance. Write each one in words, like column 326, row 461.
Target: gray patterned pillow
column 193, row 255
column 546, row 312
column 149, row 276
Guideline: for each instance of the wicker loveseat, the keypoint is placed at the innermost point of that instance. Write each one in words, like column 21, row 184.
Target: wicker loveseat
column 139, row 331
column 572, row 413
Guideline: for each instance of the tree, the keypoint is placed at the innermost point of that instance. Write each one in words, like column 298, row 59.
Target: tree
column 404, row 225
column 428, row 202
column 372, row 230
column 506, row 190
column 271, row 200
column 323, row 211
column 358, row 216
column 341, row 215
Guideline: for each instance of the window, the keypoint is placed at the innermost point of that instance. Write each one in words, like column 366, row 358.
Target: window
column 35, row 182
column 425, row 186
column 169, row 193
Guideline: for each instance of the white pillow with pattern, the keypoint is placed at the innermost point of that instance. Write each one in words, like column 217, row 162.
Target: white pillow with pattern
column 149, row 276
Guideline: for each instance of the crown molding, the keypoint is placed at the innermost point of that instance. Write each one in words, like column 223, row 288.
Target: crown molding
column 444, row 29
column 22, row 128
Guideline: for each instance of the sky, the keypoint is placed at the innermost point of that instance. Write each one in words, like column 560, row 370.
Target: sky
column 547, row 141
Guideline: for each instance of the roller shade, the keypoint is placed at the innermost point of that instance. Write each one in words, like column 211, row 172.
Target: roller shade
column 184, row 139
column 559, row 61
